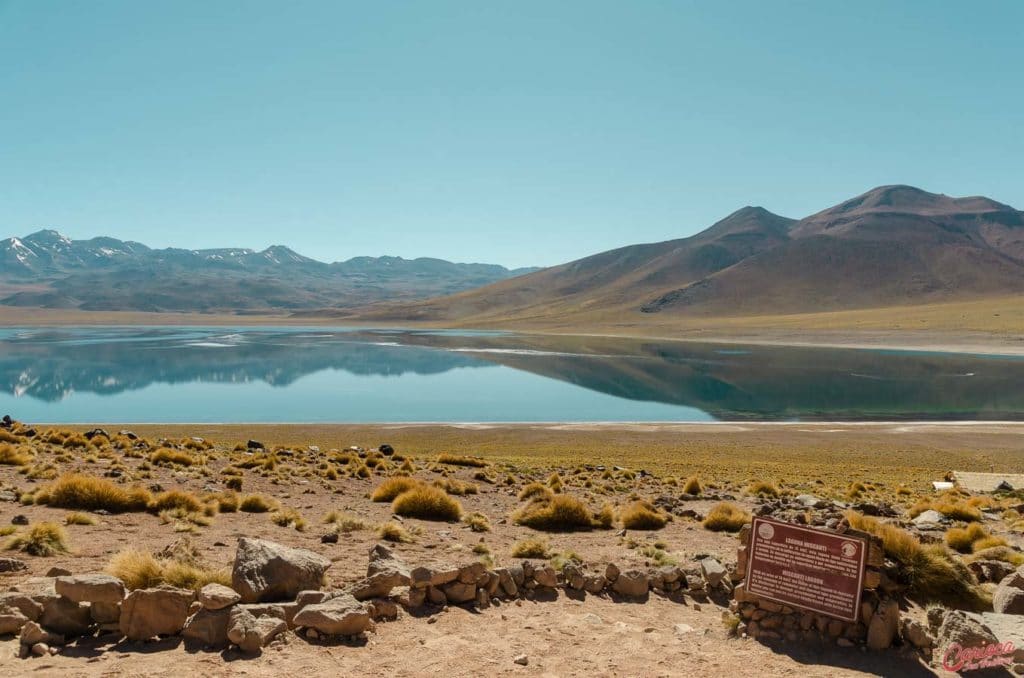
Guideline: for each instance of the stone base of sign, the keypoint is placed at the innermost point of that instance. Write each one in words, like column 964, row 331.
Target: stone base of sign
column 879, row 621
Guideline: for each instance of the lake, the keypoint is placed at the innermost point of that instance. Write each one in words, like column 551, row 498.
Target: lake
column 316, row 374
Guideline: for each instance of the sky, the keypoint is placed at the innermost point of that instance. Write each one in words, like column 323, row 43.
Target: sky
column 520, row 133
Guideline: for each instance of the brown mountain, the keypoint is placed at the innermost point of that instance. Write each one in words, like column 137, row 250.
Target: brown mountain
column 892, row 245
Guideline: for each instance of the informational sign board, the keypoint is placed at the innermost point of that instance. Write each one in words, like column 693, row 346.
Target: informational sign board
column 806, row 568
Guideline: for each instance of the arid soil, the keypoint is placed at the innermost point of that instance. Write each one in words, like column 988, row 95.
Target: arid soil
column 598, row 464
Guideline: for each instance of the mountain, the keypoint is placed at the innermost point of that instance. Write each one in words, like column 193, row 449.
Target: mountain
column 892, row 245
column 49, row 270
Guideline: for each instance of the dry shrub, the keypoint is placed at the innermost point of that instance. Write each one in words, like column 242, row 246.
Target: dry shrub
column 8, row 437
column 79, row 519
column 456, row 487
column 531, row 548
column 13, row 456
column 605, row 518
column 726, row 517
column 428, row 503
column 256, row 503
column 289, row 517
column 763, row 488
column 535, row 490
column 949, row 506
column 392, row 531
column 42, row 539
column 560, row 513
column 972, row 538
column 693, row 486
column 175, row 499
column 457, row 460
column 642, row 515
column 88, row 493
column 478, row 522
column 933, row 572
column 343, row 522
column 142, row 570
column 392, row 487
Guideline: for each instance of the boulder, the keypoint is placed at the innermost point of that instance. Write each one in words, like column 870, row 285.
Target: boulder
column 472, row 573
column 916, row 634
column 66, row 617
column 631, row 583
column 929, row 519
column 959, row 627
column 378, row 585
column 217, row 596
column 712, row 571
column 545, row 576
column 340, row 616
column 1009, row 594
column 32, row 633
column 457, row 592
column 266, row 571
column 90, row 588
column 506, row 583
column 154, row 612
column 884, row 624
column 433, row 575
column 251, row 633
column 11, row 621
column 384, row 560
column 22, row 603
column 12, row 565
column 105, row 613
column 209, row 627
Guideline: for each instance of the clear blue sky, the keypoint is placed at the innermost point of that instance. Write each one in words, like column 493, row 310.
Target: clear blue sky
column 510, row 132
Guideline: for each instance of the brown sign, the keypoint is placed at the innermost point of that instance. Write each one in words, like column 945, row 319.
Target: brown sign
column 806, row 568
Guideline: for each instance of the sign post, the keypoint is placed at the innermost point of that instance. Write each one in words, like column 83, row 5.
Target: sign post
column 807, row 568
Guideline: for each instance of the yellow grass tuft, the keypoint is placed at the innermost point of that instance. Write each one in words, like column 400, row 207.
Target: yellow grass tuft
column 535, row 490
column 478, row 522
column 762, row 488
column 428, row 503
column 560, row 513
column 726, row 517
column 13, row 456
column 141, row 569
column 457, row 460
column 256, row 503
column 642, row 515
column 42, row 539
column 175, row 499
column 531, row 548
column 693, row 486
column 79, row 519
column 88, row 493
column 392, row 531
column 392, row 487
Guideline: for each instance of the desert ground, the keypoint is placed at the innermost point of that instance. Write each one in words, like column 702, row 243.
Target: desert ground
column 207, row 485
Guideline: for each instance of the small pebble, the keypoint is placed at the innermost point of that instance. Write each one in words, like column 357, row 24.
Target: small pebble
column 522, row 660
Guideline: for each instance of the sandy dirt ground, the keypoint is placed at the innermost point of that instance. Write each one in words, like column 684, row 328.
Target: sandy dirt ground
column 592, row 636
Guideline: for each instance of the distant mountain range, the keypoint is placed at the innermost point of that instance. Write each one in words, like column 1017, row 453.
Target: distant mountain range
column 892, row 245
column 46, row 269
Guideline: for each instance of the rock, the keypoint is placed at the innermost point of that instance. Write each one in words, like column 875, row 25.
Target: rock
column 545, row 576
column 329, row 538
column 209, row 627
column 457, row 592
column 960, row 628
column 433, row 575
column 22, row 603
column 66, row 617
column 91, row 588
column 382, row 609
column 266, row 571
column 250, row 633
column 611, row 572
column 377, row 586
column 11, row 621
column 340, row 616
column 594, row 583
column 929, row 519
column 105, row 613
column 990, row 570
column 1007, row 628
column 20, row 519
column 154, row 612
column 386, row 450
column 682, row 629
column 40, row 649
column 632, row 584
column 254, row 445
column 522, row 660
column 217, row 596
column 32, row 633
column 472, row 573
column 810, row 501
column 383, row 559
column 712, row 571
column 1009, row 594
column 915, row 633
column 506, row 583
column 884, row 625
column 58, row 572
column 310, row 597
column 12, row 565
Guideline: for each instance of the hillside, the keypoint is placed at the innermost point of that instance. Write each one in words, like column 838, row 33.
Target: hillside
column 890, row 246
column 48, row 270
